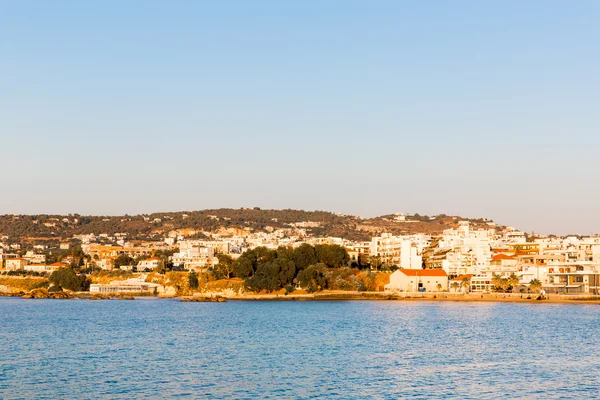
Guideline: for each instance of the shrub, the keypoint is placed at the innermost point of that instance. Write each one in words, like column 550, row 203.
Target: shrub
column 68, row 279
column 193, row 280
column 39, row 285
column 54, row 288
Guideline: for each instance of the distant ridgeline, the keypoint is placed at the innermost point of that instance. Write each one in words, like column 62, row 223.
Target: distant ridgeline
column 148, row 226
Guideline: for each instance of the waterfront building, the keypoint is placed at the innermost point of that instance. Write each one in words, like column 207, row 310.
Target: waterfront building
column 417, row 280
column 482, row 283
column 530, row 272
column 573, row 278
column 124, row 287
column 456, row 284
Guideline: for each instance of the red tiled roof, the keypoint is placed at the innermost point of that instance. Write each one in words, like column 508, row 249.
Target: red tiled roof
column 58, row 264
column 461, row 277
column 423, row 272
column 502, row 257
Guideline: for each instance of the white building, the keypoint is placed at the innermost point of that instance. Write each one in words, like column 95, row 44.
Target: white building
column 417, row 280
column 194, row 256
column 130, row 286
column 35, row 267
column 573, row 278
column 150, row 263
column 464, row 251
column 34, row 258
column 402, row 251
column 15, row 264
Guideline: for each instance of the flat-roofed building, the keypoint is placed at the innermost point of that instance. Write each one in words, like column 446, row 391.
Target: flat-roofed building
column 572, row 278
column 150, row 263
column 15, row 264
column 35, row 267
column 130, row 286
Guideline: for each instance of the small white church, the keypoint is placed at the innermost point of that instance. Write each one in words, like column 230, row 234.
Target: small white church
column 418, row 280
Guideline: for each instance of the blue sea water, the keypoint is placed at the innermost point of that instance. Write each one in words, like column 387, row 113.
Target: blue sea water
column 345, row 349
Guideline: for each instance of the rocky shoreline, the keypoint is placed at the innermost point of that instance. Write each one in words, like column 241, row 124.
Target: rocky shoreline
column 203, row 299
column 321, row 296
column 62, row 295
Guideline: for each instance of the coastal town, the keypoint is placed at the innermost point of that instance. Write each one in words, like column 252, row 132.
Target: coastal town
column 466, row 257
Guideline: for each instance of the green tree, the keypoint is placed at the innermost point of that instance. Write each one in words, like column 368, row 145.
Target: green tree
column 224, row 269
column 284, row 252
column 122, row 260
column 244, row 266
column 455, row 286
column 313, row 278
column 68, row 279
column 272, row 275
column 332, row 255
column 193, row 280
column 287, row 271
column 304, row 255
column 264, row 255
column 247, row 264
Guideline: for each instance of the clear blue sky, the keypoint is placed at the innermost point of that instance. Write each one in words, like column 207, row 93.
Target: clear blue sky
column 477, row 108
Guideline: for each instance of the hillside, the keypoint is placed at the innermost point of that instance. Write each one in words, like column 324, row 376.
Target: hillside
column 149, row 226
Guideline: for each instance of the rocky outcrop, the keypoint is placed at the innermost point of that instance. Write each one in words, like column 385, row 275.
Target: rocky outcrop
column 12, row 294
column 43, row 293
column 204, row 299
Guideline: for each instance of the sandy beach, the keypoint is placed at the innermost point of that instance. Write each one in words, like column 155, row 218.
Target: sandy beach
column 458, row 297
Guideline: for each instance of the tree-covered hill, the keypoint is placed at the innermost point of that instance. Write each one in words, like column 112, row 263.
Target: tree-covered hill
column 253, row 219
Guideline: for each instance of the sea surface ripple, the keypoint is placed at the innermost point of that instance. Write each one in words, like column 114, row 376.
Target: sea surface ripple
column 154, row 348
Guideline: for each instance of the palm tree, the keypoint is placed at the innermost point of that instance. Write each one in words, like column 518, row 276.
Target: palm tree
column 513, row 280
column 497, row 281
column 465, row 283
column 375, row 262
column 535, row 285
column 455, row 286
column 504, row 284
column 439, row 287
